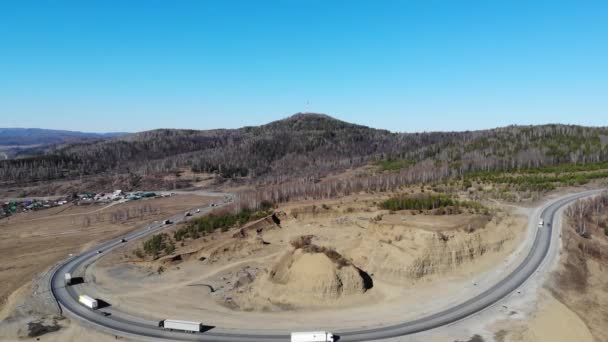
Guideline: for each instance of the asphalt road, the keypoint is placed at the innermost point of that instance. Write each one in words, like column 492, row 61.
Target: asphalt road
column 115, row 322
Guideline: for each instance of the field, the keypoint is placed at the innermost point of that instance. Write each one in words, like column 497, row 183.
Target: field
column 37, row 240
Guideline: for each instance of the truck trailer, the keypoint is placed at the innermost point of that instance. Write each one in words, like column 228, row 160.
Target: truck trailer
column 88, row 301
column 174, row 324
column 68, row 279
column 312, row 336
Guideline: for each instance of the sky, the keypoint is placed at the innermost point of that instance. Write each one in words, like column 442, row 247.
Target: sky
column 405, row 66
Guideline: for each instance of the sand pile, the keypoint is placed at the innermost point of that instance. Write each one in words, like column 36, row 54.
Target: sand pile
column 302, row 277
column 316, row 275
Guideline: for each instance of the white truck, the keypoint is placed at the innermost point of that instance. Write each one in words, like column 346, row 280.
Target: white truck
column 312, row 336
column 174, row 324
column 88, row 301
column 68, row 279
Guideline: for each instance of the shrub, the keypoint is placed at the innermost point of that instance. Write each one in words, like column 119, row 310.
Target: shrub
column 420, row 202
column 208, row 224
column 170, row 247
column 155, row 244
column 138, row 253
column 394, row 164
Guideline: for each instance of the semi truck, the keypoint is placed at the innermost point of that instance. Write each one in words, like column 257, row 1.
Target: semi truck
column 174, row 324
column 88, row 301
column 68, row 279
column 312, row 336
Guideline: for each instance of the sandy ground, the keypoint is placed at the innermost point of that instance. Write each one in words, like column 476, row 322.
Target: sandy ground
column 72, row 332
column 554, row 322
column 532, row 315
column 389, row 250
column 31, row 243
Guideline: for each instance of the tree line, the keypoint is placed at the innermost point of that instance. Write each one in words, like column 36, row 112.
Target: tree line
column 287, row 155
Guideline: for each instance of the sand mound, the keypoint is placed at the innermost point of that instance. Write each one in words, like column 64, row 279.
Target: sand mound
column 315, row 274
column 303, row 277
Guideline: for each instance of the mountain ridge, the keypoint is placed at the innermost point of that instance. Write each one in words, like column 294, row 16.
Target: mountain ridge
column 308, row 145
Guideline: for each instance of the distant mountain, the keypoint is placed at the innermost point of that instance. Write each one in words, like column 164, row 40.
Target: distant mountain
column 38, row 136
column 308, row 146
column 27, row 142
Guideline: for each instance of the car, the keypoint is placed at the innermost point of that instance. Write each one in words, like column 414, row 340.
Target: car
column 123, row 240
column 188, row 213
column 167, row 222
column 198, row 210
column 99, row 251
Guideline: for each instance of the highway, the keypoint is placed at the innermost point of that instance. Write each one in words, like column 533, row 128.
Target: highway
column 118, row 323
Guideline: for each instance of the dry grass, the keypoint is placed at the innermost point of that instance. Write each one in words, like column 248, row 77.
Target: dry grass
column 581, row 281
column 32, row 242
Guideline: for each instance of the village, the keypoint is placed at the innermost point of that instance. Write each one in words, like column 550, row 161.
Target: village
column 13, row 206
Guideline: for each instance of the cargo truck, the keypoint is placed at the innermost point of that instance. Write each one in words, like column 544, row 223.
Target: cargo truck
column 88, row 301
column 174, row 324
column 312, row 336
column 68, row 279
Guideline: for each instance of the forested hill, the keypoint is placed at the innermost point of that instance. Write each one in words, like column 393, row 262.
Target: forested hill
column 37, row 136
column 312, row 145
column 22, row 142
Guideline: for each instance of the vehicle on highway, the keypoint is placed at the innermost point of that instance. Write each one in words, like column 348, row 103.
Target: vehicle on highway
column 68, row 279
column 312, row 336
column 99, row 251
column 123, row 240
column 88, row 301
column 188, row 213
column 541, row 223
column 167, row 222
column 174, row 324
column 134, row 326
column 198, row 210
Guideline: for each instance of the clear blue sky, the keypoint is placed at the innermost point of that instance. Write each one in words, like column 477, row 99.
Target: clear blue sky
column 401, row 65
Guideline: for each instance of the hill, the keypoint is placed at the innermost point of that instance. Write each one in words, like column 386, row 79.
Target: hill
column 36, row 136
column 306, row 147
column 19, row 142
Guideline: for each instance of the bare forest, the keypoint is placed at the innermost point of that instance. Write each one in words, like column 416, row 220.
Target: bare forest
column 289, row 158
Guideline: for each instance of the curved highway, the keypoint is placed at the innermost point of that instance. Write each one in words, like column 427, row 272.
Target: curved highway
column 115, row 322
